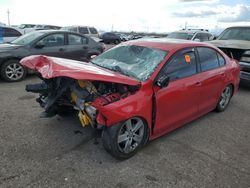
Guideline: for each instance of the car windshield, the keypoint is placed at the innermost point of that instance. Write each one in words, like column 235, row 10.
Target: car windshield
column 26, row 39
column 235, row 34
column 134, row 61
column 181, row 35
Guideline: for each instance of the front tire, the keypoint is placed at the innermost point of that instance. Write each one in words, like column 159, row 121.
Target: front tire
column 124, row 139
column 224, row 99
column 12, row 71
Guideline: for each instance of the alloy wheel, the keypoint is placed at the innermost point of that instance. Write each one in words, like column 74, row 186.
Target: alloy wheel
column 14, row 71
column 225, row 97
column 130, row 135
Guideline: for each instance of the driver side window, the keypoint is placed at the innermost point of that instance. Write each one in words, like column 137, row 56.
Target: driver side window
column 53, row 40
column 182, row 64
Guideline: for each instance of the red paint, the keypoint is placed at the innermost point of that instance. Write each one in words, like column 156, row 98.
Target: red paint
column 51, row 67
column 180, row 102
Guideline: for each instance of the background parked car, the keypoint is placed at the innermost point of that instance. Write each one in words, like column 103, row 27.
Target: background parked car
column 110, row 37
column 196, row 35
column 46, row 42
column 8, row 34
column 235, row 42
column 26, row 28
column 86, row 30
column 123, row 36
column 46, row 27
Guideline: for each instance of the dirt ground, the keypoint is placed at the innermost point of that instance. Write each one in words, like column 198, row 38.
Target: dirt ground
column 213, row 151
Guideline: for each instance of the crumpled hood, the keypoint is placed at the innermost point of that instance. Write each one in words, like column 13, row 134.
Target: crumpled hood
column 8, row 47
column 51, row 67
column 236, row 44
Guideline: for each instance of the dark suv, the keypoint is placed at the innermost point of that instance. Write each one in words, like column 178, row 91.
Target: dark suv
column 110, row 37
column 235, row 42
column 62, row 44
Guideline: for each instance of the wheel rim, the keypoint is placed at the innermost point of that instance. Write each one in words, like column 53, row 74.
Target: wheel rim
column 225, row 97
column 130, row 135
column 14, row 71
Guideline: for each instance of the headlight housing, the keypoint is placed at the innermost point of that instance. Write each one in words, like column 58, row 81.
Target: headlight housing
column 245, row 56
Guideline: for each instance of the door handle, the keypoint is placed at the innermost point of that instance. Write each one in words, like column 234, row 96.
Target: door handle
column 223, row 74
column 198, row 83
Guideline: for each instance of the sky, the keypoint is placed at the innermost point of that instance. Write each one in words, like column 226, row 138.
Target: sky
column 130, row 15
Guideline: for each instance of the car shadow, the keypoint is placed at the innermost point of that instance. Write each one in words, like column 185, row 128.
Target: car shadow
column 244, row 86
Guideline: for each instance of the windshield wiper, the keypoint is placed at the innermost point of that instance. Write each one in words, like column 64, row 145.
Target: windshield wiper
column 118, row 69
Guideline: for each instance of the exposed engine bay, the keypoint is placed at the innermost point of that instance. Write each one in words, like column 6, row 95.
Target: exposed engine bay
column 62, row 95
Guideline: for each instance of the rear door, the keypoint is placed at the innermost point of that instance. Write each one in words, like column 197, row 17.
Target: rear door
column 177, row 103
column 213, row 77
column 77, row 47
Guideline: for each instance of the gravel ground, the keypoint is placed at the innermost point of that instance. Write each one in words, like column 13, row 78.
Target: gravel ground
column 213, row 151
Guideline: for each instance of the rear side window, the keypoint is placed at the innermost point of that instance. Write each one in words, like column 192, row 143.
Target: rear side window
column 72, row 29
column 76, row 40
column 202, row 36
column 8, row 32
column 182, row 65
column 222, row 61
column 83, row 30
column 93, row 30
column 208, row 58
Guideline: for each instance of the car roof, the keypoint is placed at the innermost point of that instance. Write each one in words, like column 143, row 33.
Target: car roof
column 79, row 26
column 238, row 27
column 167, row 44
column 57, row 31
column 191, row 31
column 8, row 27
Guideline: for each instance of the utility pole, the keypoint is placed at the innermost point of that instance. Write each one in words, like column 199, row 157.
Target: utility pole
column 8, row 13
column 185, row 25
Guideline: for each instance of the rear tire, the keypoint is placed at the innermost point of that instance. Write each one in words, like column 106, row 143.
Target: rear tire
column 124, row 139
column 117, row 42
column 224, row 99
column 12, row 71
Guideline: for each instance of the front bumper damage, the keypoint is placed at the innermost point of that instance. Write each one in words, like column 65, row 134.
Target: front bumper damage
column 63, row 95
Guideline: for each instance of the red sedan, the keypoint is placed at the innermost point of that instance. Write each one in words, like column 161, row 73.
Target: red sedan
column 137, row 91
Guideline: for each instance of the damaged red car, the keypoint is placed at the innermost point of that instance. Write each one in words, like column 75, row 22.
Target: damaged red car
column 137, row 91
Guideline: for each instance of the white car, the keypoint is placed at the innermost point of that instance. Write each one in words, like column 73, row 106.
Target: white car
column 8, row 34
column 86, row 30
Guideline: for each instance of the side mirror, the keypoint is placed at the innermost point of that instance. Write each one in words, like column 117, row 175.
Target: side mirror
column 197, row 40
column 162, row 81
column 39, row 44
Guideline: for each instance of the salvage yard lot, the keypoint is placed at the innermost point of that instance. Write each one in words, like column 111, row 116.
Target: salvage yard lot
column 213, row 151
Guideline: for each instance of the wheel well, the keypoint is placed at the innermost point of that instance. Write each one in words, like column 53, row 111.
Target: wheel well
column 8, row 59
column 232, row 88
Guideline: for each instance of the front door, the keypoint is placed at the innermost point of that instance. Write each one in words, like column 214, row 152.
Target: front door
column 177, row 103
column 51, row 45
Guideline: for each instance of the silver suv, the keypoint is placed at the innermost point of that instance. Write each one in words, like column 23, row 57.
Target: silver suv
column 86, row 30
column 200, row 35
